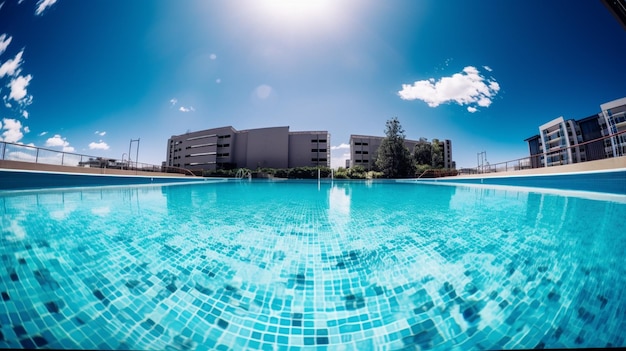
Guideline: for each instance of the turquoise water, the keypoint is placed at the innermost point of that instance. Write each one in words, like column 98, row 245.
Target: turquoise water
column 304, row 265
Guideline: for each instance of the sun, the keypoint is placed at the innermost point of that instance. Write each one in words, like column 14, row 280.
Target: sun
column 287, row 9
column 298, row 14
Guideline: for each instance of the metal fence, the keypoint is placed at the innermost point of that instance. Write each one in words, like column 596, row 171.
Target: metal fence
column 613, row 145
column 33, row 154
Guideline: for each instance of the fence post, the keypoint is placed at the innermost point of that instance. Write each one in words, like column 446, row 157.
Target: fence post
column 62, row 158
column 4, row 148
column 37, row 156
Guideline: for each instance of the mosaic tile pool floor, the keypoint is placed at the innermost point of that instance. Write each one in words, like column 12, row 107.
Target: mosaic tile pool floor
column 307, row 266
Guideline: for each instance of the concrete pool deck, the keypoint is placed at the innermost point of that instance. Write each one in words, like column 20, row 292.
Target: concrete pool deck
column 15, row 175
column 604, row 176
column 608, row 164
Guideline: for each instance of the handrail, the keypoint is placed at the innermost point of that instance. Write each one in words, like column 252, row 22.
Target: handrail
column 527, row 162
column 33, row 154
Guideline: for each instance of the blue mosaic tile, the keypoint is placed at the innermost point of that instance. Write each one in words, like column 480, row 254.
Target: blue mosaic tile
column 327, row 271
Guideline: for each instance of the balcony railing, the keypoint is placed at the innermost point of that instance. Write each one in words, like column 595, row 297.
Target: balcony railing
column 33, row 154
column 593, row 150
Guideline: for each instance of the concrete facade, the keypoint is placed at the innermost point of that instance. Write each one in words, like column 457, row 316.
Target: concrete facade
column 228, row 148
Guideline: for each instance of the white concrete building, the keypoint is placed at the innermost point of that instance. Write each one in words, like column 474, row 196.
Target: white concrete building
column 562, row 142
column 613, row 121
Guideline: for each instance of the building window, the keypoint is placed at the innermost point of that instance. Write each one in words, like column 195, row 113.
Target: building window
column 200, row 137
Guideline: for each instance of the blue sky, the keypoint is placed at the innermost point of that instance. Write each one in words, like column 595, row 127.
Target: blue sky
column 89, row 76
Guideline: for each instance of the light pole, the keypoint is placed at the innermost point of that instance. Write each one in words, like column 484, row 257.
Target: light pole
column 481, row 158
column 137, row 154
column 123, row 160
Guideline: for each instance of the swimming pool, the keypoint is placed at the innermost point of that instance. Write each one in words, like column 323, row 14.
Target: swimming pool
column 307, row 265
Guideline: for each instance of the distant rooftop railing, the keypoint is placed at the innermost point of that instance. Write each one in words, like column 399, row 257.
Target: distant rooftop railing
column 33, row 154
column 609, row 146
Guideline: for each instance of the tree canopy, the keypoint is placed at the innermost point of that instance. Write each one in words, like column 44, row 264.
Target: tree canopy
column 393, row 158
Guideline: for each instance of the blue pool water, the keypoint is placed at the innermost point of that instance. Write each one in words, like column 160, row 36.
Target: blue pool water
column 307, row 265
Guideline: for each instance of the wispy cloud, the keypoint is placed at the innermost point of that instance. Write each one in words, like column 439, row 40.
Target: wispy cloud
column 42, row 5
column 18, row 89
column 100, row 133
column 12, row 67
column 12, row 130
column 4, row 41
column 101, row 145
column 467, row 88
column 186, row 109
column 212, row 56
column 43, row 133
column 342, row 146
column 58, row 141
column 173, row 102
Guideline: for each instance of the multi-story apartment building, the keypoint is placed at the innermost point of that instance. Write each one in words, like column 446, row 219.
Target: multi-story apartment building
column 563, row 141
column 613, row 121
column 228, row 148
column 363, row 150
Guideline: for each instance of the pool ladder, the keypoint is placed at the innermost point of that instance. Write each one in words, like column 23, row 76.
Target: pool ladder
column 242, row 173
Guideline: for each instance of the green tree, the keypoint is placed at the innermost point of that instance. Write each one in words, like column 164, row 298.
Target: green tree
column 422, row 152
column 437, row 154
column 393, row 158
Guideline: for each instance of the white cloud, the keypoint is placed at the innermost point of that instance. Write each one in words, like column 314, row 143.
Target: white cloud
column 43, row 133
column 4, row 41
column 18, row 89
column 487, row 68
column 465, row 88
column 101, row 145
column 342, row 146
column 12, row 132
column 12, row 67
column 339, row 155
column 472, row 109
column 173, row 101
column 186, row 109
column 26, row 129
column 212, row 56
column 100, row 133
column 25, row 114
column 57, row 140
column 42, row 5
